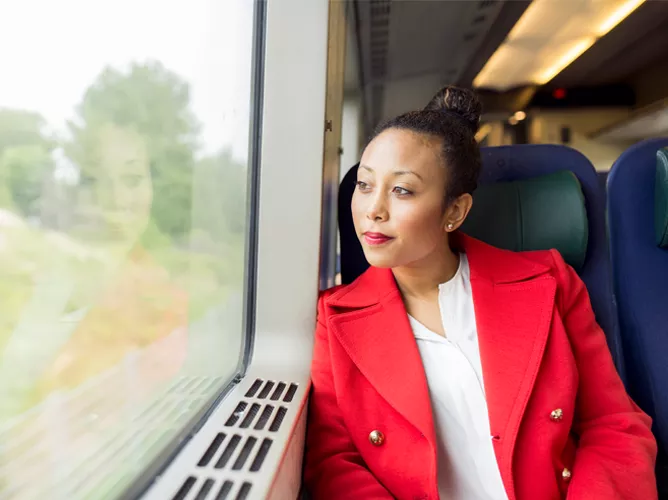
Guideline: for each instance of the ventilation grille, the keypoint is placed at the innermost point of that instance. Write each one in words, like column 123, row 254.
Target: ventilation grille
column 236, row 454
column 379, row 24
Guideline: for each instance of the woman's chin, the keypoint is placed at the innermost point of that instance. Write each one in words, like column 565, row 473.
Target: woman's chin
column 376, row 259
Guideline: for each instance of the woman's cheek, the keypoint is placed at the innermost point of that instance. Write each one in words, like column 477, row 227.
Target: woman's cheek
column 417, row 224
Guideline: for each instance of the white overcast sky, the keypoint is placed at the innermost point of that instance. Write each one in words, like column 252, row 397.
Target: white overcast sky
column 51, row 51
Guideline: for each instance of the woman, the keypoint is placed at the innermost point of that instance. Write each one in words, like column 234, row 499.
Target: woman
column 455, row 370
column 99, row 293
column 131, row 304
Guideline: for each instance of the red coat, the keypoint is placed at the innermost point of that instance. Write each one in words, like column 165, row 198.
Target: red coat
column 541, row 350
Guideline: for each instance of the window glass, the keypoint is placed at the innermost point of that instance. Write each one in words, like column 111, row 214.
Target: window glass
column 124, row 138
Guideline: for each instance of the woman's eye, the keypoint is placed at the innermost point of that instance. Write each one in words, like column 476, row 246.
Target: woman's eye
column 401, row 191
column 363, row 186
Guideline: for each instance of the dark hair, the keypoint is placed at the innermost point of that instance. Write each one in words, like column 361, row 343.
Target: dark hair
column 452, row 115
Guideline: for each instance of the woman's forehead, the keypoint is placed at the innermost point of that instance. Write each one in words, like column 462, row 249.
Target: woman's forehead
column 396, row 148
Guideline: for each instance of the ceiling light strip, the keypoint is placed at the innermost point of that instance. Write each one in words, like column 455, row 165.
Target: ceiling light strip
column 535, row 51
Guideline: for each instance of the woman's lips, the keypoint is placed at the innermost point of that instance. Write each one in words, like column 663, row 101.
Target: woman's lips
column 376, row 238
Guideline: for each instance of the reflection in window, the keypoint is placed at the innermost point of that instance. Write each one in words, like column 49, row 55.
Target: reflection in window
column 124, row 132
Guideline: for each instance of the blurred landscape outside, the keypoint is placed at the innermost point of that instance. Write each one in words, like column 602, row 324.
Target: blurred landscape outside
column 122, row 240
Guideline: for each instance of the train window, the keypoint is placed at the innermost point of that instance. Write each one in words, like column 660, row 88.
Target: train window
column 125, row 130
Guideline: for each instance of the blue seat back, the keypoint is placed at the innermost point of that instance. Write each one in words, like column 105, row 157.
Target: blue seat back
column 508, row 163
column 640, row 275
column 511, row 163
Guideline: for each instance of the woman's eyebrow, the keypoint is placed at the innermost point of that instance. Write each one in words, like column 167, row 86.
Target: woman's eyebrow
column 396, row 173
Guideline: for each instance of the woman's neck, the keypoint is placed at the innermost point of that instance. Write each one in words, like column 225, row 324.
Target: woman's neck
column 421, row 279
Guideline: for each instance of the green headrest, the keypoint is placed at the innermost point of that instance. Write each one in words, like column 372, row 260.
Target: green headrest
column 539, row 213
column 661, row 198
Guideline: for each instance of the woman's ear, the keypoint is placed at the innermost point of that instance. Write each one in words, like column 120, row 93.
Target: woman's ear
column 456, row 212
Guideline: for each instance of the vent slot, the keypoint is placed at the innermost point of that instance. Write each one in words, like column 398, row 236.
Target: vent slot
column 236, row 415
column 266, row 390
column 487, row 3
column 204, row 490
column 211, row 450
column 245, row 453
column 250, row 416
column 227, row 453
column 278, row 419
column 254, row 388
column 264, row 418
column 185, row 488
column 244, row 491
column 224, row 490
column 261, row 455
column 379, row 30
column 380, row 7
column 279, row 390
column 289, row 396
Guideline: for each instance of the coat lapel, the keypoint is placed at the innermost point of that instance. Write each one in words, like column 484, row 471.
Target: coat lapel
column 513, row 299
column 373, row 328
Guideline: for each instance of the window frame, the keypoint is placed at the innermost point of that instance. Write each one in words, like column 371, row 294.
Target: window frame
column 288, row 253
column 180, row 440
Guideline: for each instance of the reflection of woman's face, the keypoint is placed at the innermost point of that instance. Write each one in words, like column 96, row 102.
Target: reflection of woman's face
column 119, row 180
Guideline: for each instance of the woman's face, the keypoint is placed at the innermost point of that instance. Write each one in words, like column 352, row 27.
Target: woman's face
column 398, row 204
column 119, row 180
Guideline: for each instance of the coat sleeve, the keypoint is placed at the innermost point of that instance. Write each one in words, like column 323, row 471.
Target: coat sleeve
column 616, row 450
column 334, row 469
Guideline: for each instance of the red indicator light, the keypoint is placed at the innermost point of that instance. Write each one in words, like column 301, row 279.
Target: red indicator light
column 559, row 93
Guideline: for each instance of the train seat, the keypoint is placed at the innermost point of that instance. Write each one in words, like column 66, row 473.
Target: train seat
column 638, row 226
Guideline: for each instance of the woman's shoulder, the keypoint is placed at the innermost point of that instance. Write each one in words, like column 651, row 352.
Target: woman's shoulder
column 344, row 290
column 370, row 288
column 510, row 265
column 549, row 258
column 325, row 294
column 506, row 266
column 568, row 282
column 554, row 265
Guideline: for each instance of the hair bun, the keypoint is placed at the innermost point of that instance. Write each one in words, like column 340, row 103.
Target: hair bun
column 463, row 102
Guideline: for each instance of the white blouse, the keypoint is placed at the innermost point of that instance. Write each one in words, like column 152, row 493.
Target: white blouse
column 467, row 467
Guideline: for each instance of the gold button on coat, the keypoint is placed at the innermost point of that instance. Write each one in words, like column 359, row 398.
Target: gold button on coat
column 557, row 415
column 566, row 475
column 376, row 438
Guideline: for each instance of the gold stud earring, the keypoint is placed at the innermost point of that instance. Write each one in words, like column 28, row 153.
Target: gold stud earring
column 450, row 226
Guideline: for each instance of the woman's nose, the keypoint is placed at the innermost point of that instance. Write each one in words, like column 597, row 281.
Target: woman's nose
column 377, row 210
